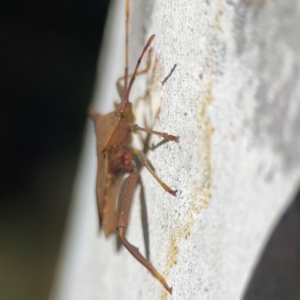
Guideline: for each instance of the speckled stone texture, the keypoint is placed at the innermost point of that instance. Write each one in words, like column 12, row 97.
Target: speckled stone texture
column 234, row 101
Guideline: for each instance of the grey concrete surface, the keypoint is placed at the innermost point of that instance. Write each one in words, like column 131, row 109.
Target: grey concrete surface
column 234, row 100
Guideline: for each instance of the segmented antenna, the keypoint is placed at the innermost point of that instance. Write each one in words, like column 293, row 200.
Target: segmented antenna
column 127, row 8
column 138, row 64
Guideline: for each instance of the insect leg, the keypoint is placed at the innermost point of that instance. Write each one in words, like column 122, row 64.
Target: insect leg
column 145, row 162
column 164, row 135
column 124, row 205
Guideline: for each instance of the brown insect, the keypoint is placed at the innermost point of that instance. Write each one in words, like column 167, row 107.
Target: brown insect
column 115, row 160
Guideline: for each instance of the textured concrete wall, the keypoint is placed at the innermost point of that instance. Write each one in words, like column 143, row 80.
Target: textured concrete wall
column 234, row 101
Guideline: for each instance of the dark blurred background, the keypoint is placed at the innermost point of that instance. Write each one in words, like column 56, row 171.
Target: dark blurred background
column 49, row 52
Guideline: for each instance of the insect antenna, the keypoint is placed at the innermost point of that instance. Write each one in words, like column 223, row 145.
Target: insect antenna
column 138, row 64
column 127, row 8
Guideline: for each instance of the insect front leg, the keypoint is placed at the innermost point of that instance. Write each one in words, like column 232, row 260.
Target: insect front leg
column 124, row 205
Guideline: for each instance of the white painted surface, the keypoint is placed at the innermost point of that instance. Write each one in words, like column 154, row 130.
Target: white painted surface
column 234, row 101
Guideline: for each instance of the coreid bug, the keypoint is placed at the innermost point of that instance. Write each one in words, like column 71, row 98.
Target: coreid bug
column 115, row 159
